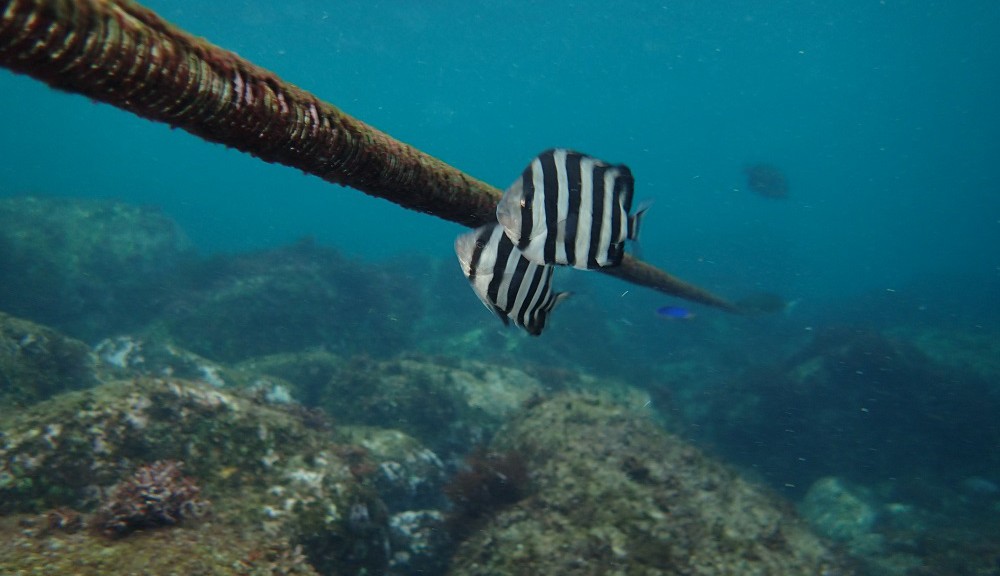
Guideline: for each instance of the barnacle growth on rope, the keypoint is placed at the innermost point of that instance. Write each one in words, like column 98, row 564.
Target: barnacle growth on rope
column 121, row 53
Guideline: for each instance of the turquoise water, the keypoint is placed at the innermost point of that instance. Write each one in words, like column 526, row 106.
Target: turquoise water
column 882, row 115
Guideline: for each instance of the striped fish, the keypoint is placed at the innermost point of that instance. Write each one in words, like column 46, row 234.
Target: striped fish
column 514, row 288
column 572, row 209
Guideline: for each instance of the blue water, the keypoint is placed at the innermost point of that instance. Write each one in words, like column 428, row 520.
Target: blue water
column 882, row 115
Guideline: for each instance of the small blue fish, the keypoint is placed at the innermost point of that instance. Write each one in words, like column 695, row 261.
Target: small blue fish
column 674, row 312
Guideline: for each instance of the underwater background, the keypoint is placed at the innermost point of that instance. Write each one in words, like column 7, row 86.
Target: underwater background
column 868, row 402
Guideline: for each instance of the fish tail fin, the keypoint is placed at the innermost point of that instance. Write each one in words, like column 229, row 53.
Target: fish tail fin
column 535, row 328
column 635, row 220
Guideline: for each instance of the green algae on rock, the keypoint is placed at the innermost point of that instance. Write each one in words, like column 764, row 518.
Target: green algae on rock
column 237, row 307
column 878, row 536
column 409, row 476
column 37, row 362
column 204, row 549
column 261, row 467
column 843, row 513
column 447, row 404
column 88, row 267
column 127, row 356
column 859, row 400
column 975, row 352
column 614, row 494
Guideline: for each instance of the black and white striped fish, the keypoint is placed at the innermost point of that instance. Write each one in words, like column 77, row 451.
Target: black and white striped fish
column 510, row 285
column 572, row 209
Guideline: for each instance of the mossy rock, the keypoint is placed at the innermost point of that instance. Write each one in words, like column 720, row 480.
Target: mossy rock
column 87, row 267
column 153, row 355
column 207, row 548
column 864, row 405
column 448, row 406
column 260, row 466
column 408, row 476
column 237, row 307
column 37, row 362
column 614, row 494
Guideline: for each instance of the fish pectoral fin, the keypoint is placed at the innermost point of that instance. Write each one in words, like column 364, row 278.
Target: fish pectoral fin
column 560, row 297
column 567, row 228
column 636, row 219
column 616, row 251
column 537, row 233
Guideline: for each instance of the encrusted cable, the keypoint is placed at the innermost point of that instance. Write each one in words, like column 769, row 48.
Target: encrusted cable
column 121, row 53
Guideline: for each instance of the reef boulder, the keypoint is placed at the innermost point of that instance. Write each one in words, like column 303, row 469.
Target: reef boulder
column 87, row 267
column 261, row 467
column 289, row 299
column 863, row 405
column 37, row 362
column 447, row 404
column 611, row 493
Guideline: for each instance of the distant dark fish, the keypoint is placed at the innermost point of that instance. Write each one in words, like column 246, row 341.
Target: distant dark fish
column 979, row 486
column 571, row 209
column 674, row 312
column 764, row 303
column 510, row 285
column 767, row 180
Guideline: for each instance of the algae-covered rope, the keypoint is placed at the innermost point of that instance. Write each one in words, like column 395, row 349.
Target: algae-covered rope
column 121, row 53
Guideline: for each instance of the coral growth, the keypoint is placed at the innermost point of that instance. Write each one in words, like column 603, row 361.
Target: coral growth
column 491, row 481
column 155, row 495
column 406, row 474
column 420, row 544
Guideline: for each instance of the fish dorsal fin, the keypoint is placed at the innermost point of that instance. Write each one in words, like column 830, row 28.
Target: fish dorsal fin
column 535, row 328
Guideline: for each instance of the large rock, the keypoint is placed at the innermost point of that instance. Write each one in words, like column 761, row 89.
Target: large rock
column 37, row 362
column 261, row 467
column 87, row 267
column 31, row 544
column 448, row 405
column 611, row 493
column 865, row 406
column 843, row 513
column 881, row 537
column 290, row 299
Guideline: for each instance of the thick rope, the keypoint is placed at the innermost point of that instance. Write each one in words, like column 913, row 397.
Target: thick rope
column 121, row 53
